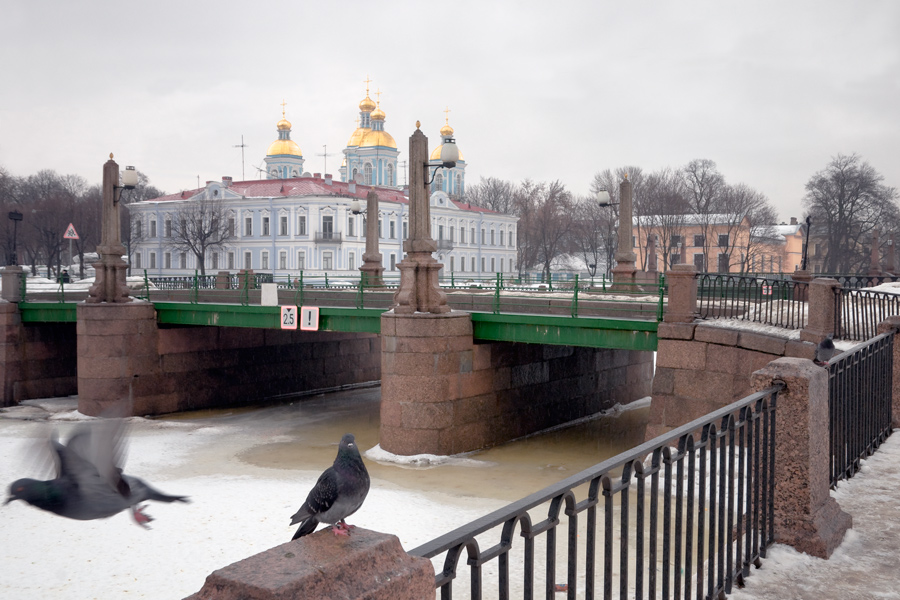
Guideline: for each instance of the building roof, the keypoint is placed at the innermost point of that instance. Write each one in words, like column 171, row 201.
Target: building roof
column 299, row 187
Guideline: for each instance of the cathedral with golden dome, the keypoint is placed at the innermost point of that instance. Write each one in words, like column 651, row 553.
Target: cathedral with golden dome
column 284, row 159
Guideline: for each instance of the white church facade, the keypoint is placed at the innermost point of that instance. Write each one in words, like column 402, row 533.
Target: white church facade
column 295, row 222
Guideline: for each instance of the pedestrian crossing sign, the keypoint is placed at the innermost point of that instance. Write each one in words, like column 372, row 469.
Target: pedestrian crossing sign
column 71, row 234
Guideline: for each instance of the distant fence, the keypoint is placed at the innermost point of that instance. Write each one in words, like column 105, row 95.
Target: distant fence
column 777, row 302
column 858, row 312
column 702, row 514
column 860, row 389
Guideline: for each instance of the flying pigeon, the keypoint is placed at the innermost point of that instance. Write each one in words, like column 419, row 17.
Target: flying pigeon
column 825, row 351
column 338, row 493
column 89, row 481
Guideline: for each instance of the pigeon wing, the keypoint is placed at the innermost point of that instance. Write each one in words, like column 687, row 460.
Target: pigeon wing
column 320, row 498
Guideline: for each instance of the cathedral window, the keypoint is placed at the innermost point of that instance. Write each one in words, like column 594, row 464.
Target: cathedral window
column 458, row 184
column 368, row 173
column 390, row 174
column 438, row 183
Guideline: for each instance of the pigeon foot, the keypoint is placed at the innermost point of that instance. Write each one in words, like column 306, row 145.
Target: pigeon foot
column 337, row 530
column 140, row 517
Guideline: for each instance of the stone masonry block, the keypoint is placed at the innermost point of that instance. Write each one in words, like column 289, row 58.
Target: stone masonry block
column 366, row 565
column 762, row 343
column 798, row 349
column 702, row 385
column 481, row 356
column 415, row 388
column 391, row 413
column 664, row 381
column 681, row 354
column 716, row 335
column 676, row 331
column 406, row 442
column 725, row 359
column 477, row 408
column 418, row 415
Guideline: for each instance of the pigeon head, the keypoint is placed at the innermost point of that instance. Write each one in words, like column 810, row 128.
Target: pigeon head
column 348, row 445
column 32, row 491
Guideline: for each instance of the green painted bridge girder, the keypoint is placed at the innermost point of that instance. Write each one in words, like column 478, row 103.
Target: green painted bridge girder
column 593, row 332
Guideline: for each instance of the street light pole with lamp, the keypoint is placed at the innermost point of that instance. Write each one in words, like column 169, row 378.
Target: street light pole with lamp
column 603, row 201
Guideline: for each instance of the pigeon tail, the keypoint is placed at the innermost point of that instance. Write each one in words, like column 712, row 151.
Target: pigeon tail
column 307, row 527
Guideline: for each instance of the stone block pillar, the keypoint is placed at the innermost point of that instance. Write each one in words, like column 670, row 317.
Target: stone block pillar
column 223, row 280
column 424, row 360
column 117, row 342
column 623, row 272
column 12, row 277
column 893, row 324
column 806, row 516
column 366, row 565
column 682, row 303
column 822, row 308
column 802, row 293
column 10, row 350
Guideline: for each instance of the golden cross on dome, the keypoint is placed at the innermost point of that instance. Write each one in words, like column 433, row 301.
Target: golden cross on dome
column 447, row 115
column 368, row 81
column 282, row 107
column 378, row 93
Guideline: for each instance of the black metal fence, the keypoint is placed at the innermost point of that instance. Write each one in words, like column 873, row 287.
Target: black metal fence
column 859, row 403
column 860, row 281
column 777, row 302
column 857, row 313
column 681, row 516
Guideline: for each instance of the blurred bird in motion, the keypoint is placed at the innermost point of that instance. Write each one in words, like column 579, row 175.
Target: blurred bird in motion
column 89, row 482
column 825, row 351
column 338, row 493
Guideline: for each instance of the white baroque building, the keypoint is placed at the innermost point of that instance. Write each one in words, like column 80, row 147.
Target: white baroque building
column 295, row 222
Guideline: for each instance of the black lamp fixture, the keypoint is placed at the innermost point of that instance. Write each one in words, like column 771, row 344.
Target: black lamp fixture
column 449, row 158
column 129, row 182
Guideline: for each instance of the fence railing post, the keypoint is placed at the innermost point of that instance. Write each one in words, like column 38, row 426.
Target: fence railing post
column 820, row 317
column 893, row 324
column 682, row 305
column 805, row 515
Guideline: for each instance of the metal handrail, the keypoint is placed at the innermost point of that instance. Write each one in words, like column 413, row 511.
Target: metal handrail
column 742, row 434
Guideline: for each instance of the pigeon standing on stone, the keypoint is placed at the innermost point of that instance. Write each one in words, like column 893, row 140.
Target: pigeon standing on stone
column 825, row 351
column 89, row 481
column 338, row 493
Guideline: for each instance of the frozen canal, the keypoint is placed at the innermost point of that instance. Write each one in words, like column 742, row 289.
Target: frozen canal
column 246, row 472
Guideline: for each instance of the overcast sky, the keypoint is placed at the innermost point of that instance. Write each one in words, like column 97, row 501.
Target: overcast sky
column 769, row 90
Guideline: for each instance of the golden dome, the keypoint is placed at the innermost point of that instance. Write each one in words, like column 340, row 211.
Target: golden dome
column 446, row 129
column 436, row 153
column 377, row 138
column 357, row 136
column 284, row 125
column 279, row 147
column 367, row 104
column 378, row 114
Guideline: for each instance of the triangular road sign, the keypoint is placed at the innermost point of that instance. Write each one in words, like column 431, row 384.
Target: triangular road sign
column 71, row 234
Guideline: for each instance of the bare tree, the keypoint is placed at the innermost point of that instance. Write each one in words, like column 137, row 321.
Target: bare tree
column 609, row 180
column 593, row 231
column 492, row 193
column 551, row 223
column 663, row 207
column 199, row 226
column 741, row 210
column 847, row 200
column 132, row 229
column 703, row 186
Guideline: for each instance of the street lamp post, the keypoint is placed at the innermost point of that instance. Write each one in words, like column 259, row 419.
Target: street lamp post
column 14, row 216
column 603, row 201
column 803, row 263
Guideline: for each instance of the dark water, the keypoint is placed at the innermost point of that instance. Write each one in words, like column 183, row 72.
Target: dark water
column 303, row 434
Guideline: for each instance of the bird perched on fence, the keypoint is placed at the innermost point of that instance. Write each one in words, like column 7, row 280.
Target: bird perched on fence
column 89, row 482
column 825, row 351
column 338, row 493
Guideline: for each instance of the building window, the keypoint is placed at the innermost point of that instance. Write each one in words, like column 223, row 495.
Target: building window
column 182, row 261
column 390, row 174
column 699, row 241
column 282, row 226
column 153, row 228
column 264, row 260
column 723, row 262
column 438, row 183
column 351, row 261
column 282, row 260
column 367, row 170
column 501, row 265
column 473, row 264
column 723, row 240
column 676, row 259
column 168, row 228
column 452, row 268
column 483, row 238
column 440, row 232
column 248, row 226
column 265, row 226
column 462, row 235
column 327, row 227
column 483, row 263
column 215, row 260
column 492, row 238
column 137, row 229
column 380, row 229
column 301, row 225
column 675, row 241
column 493, row 265
column 301, row 260
column 230, row 226
column 231, row 261
column 351, row 227
column 405, row 230
column 327, row 261
column 462, row 264
column 501, row 239
column 393, row 226
column 699, row 263
column 167, row 260
column 248, row 261
column 137, row 260
column 153, row 260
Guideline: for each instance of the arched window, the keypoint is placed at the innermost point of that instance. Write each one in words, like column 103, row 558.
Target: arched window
column 368, row 173
column 353, row 177
column 390, row 174
column 438, row 183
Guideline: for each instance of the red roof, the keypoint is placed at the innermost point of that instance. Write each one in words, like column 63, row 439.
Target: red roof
column 308, row 186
